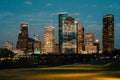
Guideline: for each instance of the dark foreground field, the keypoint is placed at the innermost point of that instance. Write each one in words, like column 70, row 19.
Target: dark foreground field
column 66, row 72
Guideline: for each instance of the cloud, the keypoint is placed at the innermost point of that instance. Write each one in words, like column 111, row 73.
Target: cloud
column 118, row 24
column 6, row 14
column 49, row 4
column 89, row 16
column 93, row 27
column 111, row 6
column 28, row 3
column 114, row 6
column 74, row 14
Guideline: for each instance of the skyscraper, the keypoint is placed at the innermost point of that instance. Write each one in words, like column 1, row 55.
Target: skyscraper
column 108, row 33
column 61, row 17
column 37, row 45
column 22, row 43
column 49, row 43
column 80, row 38
column 89, row 46
column 30, row 48
column 8, row 45
column 69, row 36
column 89, row 39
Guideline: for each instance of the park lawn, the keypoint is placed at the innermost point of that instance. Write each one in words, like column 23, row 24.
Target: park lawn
column 65, row 72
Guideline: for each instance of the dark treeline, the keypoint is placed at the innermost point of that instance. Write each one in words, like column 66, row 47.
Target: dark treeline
column 48, row 60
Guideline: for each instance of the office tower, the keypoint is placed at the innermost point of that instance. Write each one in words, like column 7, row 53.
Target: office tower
column 89, row 46
column 80, row 38
column 37, row 45
column 22, row 43
column 49, row 43
column 61, row 19
column 8, row 45
column 30, row 46
column 69, row 34
column 89, row 39
column 108, row 33
column 56, row 48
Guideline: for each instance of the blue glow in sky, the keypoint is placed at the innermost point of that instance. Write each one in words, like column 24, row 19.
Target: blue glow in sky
column 41, row 13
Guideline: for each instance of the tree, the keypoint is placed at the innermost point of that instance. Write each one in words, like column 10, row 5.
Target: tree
column 5, row 53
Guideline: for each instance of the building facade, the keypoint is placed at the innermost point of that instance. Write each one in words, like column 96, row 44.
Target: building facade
column 69, row 33
column 80, row 38
column 22, row 43
column 57, row 48
column 8, row 45
column 61, row 18
column 49, row 43
column 108, row 33
column 89, row 39
column 89, row 46
column 37, row 45
column 30, row 49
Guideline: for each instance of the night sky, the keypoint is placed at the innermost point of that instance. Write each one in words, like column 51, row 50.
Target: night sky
column 41, row 13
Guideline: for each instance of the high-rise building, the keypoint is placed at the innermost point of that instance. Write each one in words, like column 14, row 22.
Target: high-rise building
column 89, row 46
column 30, row 46
column 89, row 39
column 61, row 18
column 8, row 45
column 22, row 43
column 57, row 48
column 49, row 43
column 37, row 45
column 108, row 33
column 69, row 36
column 80, row 38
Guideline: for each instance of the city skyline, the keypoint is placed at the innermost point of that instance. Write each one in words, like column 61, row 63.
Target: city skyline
column 41, row 13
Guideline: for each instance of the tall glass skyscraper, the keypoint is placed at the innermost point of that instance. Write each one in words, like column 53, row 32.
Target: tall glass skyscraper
column 67, row 34
column 69, row 44
column 108, row 33
column 61, row 17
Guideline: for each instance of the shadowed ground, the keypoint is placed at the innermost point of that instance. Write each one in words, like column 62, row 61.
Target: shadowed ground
column 67, row 72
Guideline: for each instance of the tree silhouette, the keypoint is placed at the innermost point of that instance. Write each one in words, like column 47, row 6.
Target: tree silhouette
column 5, row 53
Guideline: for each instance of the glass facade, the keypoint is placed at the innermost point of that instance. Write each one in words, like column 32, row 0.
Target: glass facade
column 61, row 18
column 69, row 30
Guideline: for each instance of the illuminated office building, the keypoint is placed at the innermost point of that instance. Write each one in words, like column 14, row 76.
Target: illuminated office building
column 49, row 43
column 108, row 33
column 30, row 46
column 37, row 45
column 80, row 38
column 89, row 46
column 89, row 39
column 8, row 45
column 57, row 48
column 61, row 18
column 22, row 43
column 69, row 36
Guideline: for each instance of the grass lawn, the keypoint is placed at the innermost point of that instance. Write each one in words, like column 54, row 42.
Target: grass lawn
column 66, row 72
